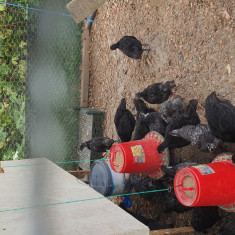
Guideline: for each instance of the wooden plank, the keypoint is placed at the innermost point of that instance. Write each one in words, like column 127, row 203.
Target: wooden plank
column 1, row 169
column 80, row 9
column 44, row 183
column 172, row 231
column 80, row 174
column 85, row 69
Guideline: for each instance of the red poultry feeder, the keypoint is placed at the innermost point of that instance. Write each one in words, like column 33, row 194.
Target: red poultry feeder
column 139, row 156
column 208, row 185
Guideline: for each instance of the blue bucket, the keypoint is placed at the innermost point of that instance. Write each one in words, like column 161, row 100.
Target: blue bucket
column 104, row 180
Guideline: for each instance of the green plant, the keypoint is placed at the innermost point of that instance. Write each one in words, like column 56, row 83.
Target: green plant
column 12, row 73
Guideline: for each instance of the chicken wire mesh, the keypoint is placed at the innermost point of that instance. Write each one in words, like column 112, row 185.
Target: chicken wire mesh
column 40, row 54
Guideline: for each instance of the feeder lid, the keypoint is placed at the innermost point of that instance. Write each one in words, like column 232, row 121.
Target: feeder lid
column 101, row 178
column 165, row 155
column 185, row 187
column 225, row 157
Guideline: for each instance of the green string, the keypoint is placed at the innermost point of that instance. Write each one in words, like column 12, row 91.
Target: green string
column 227, row 209
column 82, row 200
column 46, row 163
column 67, row 162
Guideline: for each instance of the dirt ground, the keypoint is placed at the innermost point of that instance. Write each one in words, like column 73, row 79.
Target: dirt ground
column 191, row 41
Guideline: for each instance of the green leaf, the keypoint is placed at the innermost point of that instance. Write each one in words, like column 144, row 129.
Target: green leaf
column 14, row 60
column 4, row 69
column 1, row 53
column 22, row 44
column 9, row 19
column 2, row 7
column 3, row 135
column 8, row 32
column 3, row 144
column 2, row 36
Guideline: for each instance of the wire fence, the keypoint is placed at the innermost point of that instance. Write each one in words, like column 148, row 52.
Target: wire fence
column 40, row 55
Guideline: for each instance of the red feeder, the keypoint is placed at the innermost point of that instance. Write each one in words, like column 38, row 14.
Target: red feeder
column 139, row 156
column 208, row 185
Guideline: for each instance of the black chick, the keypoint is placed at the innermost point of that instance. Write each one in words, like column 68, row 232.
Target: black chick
column 198, row 135
column 157, row 92
column 190, row 113
column 172, row 170
column 141, row 106
column 124, row 122
column 98, row 144
column 188, row 117
column 220, row 115
column 147, row 184
column 141, row 128
column 170, row 107
column 204, row 217
column 130, row 46
column 171, row 203
column 152, row 224
column 228, row 228
column 154, row 122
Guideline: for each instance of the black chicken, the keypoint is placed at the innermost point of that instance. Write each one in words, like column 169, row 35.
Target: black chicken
column 152, row 224
column 188, row 117
column 141, row 128
column 204, row 217
column 124, row 122
column 220, row 115
column 172, row 170
column 198, row 135
column 190, row 114
column 147, row 184
column 98, row 144
column 141, row 106
column 154, row 122
column 228, row 228
column 130, row 46
column 157, row 92
column 171, row 203
column 170, row 107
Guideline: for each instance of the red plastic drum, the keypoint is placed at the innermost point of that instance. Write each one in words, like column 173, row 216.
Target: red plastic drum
column 208, row 185
column 139, row 156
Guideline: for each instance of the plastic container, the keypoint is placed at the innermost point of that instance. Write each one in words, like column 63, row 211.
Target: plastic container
column 104, row 180
column 139, row 156
column 207, row 185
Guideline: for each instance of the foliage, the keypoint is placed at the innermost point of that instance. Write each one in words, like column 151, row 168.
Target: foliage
column 12, row 73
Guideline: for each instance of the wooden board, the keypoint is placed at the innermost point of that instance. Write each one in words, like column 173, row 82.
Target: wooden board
column 80, row 9
column 37, row 182
column 80, row 174
column 85, row 69
column 172, row 231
